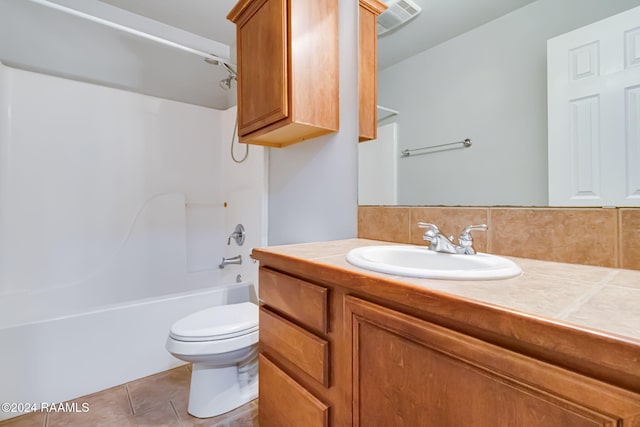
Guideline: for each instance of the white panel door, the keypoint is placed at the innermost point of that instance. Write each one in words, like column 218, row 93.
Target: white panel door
column 594, row 114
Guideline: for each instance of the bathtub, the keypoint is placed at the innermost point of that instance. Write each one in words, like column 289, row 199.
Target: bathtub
column 61, row 358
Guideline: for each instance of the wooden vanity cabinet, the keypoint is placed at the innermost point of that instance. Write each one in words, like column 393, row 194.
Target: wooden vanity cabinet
column 331, row 357
column 409, row 372
column 287, row 55
column 298, row 351
column 368, row 69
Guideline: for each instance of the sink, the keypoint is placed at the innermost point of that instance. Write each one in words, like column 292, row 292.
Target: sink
column 417, row 261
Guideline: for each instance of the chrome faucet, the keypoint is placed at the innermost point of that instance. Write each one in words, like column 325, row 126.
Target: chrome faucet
column 238, row 235
column 233, row 260
column 440, row 243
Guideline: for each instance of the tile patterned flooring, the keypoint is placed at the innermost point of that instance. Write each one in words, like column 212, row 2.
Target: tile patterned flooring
column 157, row 400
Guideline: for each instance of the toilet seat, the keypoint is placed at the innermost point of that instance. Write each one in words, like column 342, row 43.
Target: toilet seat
column 217, row 323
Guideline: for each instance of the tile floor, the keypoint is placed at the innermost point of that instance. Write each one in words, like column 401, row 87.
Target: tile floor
column 158, row 400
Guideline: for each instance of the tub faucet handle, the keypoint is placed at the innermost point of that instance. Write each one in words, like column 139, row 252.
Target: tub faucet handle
column 238, row 235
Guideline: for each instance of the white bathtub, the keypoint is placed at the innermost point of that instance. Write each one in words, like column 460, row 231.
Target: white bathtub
column 61, row 358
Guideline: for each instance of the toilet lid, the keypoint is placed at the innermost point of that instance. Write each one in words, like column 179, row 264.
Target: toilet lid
column 217, row 323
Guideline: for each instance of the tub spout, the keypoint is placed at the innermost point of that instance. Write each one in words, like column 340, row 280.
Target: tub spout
column 233, row 260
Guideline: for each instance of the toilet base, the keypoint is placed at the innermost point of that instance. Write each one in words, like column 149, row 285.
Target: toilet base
column 219, row 389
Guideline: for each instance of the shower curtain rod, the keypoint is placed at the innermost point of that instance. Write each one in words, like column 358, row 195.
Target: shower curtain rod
column 208, row 57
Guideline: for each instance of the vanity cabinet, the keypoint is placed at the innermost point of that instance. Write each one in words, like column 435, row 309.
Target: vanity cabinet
column 408, row 372
column 368, row 69
column 297, row 352
column 287, row 57
column 334, row 352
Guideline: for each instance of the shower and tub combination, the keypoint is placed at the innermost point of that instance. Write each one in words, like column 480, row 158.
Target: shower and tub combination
column 114, row 217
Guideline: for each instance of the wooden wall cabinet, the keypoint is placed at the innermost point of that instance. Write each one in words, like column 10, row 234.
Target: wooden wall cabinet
column 287, row 55
column 330, row 357
column 368, row 69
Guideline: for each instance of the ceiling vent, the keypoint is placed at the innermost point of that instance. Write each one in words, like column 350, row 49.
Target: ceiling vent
column 398, row 12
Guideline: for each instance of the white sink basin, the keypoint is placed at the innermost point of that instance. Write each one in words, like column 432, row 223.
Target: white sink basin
column 416, row 261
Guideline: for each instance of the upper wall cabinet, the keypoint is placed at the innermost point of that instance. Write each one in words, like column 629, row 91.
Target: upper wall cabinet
column 367, row 69
column 287, row 54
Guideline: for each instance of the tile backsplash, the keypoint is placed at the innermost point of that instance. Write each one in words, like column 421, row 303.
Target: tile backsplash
column 607, row 237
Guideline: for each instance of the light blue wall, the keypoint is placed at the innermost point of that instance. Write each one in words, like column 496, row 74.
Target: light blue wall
column 490, row 85
column 313, row 185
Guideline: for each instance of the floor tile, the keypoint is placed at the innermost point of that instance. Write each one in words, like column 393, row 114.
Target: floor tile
column 34, row 419
column 156, row 401
column 162, row 414
column 106, row 408
column 158, row 390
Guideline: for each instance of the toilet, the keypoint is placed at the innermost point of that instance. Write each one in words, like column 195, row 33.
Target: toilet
column 222, row 344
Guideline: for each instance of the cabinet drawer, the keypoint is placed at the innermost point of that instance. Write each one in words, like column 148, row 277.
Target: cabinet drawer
column 302, row 301
column 284, row 402
column 300, row 347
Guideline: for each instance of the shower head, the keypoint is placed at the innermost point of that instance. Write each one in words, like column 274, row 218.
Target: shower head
column 222, row 63
column 224, row 83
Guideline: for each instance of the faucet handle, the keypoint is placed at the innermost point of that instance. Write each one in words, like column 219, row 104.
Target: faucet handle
column 465, row 239
column 433, row 227
column 469, row 228
column 432, row 231
column 238, row 235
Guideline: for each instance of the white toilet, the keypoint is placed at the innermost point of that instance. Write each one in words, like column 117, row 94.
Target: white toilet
column 222, row 344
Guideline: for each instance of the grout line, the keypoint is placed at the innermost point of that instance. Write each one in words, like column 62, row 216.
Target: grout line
column 609, row 277
column 580, row 301
column 130, row 399
column 619, row 256
column 175, row 412
column 489, row 232
column 409, row 224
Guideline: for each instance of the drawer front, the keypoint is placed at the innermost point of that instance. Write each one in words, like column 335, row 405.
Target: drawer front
column 300, row 347
column 284, row 402
column 302, row 301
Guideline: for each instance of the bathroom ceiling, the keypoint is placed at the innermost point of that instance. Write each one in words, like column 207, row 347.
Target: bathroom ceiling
column 44, row 40
column 439, row 21
column 206, row 18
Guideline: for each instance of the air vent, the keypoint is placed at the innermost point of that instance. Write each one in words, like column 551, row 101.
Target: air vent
column 398, row 13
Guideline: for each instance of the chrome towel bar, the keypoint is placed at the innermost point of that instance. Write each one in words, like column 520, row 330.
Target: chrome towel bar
column 406, row 153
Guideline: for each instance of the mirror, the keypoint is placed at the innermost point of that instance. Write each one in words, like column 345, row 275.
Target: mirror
column 488, row 84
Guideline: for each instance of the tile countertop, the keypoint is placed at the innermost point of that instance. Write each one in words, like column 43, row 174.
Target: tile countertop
column 544, row 305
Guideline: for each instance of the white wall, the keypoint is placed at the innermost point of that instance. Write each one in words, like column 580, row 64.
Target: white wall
column 109, row 196
column 313, row 184
column 489, row 85
column 245, row 192
column 37, row 38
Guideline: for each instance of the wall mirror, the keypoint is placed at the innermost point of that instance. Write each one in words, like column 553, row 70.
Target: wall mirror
column 480, row 73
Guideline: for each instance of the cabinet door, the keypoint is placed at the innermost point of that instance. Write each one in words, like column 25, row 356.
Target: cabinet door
column 408, row 372
column 261, row 36
column 367, row 69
